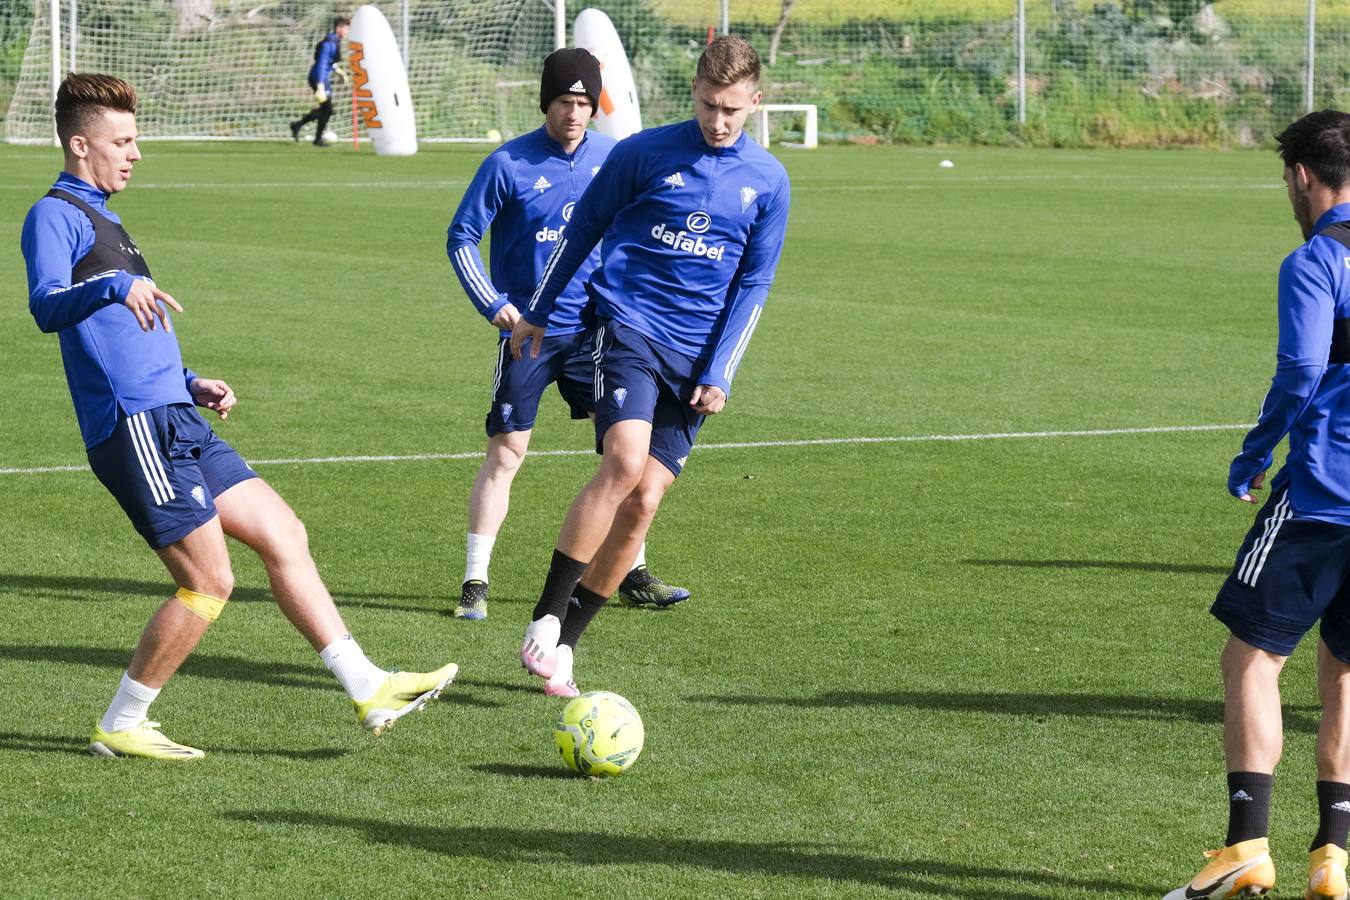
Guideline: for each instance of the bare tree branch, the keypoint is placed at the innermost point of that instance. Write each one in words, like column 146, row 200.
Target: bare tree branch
column 778, row 30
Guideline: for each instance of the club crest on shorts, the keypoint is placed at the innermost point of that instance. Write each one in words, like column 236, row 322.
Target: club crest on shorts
column 507, row 409
column 620, row 395
column 199, row 494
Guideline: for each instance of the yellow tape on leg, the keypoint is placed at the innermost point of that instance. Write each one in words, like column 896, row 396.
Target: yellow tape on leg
column 203, row 606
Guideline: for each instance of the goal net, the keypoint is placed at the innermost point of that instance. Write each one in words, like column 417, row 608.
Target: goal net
column 236, row 68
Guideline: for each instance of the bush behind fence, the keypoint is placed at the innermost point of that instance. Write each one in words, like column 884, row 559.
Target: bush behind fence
column 1108, row 73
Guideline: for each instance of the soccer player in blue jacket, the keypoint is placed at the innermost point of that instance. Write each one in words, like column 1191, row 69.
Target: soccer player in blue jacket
column 525, row 192
column 1291, row 570
column 327, row 54
column 692, row 218
column 183, row 488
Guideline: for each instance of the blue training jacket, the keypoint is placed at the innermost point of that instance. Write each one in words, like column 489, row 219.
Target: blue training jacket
column 111, row 364
column 1309, row 397
column 525, row 191
column 325, row 57
column 691, row 239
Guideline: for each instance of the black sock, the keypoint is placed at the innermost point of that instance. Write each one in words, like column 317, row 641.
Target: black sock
column 1248, row 806
column 563, row 574
column 1333, row 814
column 589, row 603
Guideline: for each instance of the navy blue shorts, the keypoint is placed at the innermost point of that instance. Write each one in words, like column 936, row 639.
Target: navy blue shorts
column 165, row 466
column 517, row 386
column 1289, row 573
column 637, row 378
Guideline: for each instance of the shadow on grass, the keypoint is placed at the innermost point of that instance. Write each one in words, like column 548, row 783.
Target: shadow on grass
column 801, row 860
column 534, row 687
column 1299, row 718
column 1123, row 565
column 97, row 589
column 49, row 744
column 200, row 665
column 512, row 770
column 45, row 743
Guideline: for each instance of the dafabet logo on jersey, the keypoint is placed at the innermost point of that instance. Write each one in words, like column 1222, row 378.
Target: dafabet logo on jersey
column 690, row 240
column 548, row 235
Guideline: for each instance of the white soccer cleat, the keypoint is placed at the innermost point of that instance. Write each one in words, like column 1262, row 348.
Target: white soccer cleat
column 560, row 683
column 539, row 652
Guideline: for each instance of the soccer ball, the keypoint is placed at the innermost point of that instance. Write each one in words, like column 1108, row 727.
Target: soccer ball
column 599, row 733
column 329, row 137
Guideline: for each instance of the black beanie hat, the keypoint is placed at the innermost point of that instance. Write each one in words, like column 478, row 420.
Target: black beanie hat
column 571, row 70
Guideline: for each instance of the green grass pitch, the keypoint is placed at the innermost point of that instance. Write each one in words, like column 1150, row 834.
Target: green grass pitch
column 912, row 667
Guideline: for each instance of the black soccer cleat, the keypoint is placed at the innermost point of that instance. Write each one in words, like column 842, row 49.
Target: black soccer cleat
column 472, row 601
column 295, row 131
column 641, row 588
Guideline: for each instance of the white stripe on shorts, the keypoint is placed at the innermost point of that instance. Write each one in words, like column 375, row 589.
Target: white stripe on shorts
column 1256, row 557
column 147, row 454
column 598, row 356
column 502, row 350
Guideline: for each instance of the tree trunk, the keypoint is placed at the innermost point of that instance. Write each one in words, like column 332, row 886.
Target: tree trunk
column 778, row 30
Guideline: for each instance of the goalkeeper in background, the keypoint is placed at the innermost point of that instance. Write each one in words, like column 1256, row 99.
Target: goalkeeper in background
column 326, row 57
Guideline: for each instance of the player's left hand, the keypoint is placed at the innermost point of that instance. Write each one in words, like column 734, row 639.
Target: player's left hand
column 215, row 394
column 708, row 400
column 523, row 332
column 1249, row 495
column 341, row 73
column 321, row 94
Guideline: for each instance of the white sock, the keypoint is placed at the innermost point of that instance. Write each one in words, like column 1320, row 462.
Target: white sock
column 479, row 555
column 129, row 705
column 359, row 677
column 641, row 557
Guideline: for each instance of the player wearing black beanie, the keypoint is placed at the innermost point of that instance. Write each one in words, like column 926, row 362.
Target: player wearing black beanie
column 571, row 70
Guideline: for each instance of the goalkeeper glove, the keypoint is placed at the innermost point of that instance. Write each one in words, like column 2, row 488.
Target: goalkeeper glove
column 321, row 94
column 341, row 73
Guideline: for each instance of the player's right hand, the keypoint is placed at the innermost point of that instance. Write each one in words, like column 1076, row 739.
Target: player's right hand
column 522, row 332
column 506, row 317
column 321, row 94
column 144, row 300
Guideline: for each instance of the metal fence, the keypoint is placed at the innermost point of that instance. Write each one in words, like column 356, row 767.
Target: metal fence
column 1039, row 72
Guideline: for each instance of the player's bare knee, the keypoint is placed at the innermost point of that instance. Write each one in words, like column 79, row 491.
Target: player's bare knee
column 643, row 502
column 621, row 472
column 1241, row 661
column 504, row 462
column 290, row 538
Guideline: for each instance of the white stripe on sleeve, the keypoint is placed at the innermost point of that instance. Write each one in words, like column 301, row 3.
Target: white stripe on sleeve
column 469, row 269
column 736, row 355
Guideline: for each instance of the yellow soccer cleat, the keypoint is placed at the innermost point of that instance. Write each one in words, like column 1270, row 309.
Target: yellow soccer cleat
column 1326, row 874
column 1242, row 870
column 402, row 693
column 142, row 740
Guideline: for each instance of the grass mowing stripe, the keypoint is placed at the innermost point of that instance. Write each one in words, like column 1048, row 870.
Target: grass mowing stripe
column 733, row 445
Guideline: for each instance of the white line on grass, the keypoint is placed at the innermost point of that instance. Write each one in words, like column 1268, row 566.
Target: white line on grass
column 270, row 185
column 1091, row 182
column 735, row 445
